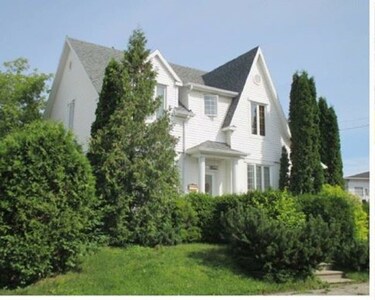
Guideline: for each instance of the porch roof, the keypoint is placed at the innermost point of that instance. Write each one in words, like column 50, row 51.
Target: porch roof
column 215, row 148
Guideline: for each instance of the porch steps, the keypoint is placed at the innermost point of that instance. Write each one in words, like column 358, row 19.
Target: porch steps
column 326, row 274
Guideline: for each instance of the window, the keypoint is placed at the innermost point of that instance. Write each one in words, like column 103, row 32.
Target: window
column 71, row 114
column 161, row 91
column 258, row 120
column 358, row 191
column 210, row 105
column 258, row 177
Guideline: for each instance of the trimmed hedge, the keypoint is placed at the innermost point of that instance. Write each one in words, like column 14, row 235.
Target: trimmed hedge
column 279, row 205
column 48, row 206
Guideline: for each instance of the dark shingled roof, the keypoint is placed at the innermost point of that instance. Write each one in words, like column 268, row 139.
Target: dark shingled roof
column 187, row 74
column 230, row 76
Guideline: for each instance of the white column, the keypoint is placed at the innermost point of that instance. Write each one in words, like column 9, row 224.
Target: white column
column 234, row 176
column 202, row 173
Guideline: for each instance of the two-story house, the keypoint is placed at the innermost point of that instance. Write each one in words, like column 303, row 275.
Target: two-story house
column 229, row 123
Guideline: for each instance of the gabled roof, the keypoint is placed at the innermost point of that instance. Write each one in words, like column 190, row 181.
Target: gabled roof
column 364, row 175
column 94, row 59
column 230, row 76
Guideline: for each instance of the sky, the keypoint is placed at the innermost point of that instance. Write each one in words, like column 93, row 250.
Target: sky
column 327, row 38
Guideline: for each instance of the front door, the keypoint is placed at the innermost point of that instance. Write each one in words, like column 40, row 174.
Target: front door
column 209, row 184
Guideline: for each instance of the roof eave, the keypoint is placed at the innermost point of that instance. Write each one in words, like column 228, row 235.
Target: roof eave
column 210, row 89
column 210, row 151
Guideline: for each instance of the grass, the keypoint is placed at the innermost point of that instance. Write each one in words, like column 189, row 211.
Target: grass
column 358, row 276
column 191, row 269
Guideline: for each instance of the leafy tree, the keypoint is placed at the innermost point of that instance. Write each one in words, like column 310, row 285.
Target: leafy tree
column 306, row 173
column 22, row 95
column 330, row 150
column 135, row 169
column 284, row 169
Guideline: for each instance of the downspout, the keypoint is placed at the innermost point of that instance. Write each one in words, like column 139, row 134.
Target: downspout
column 183, row 157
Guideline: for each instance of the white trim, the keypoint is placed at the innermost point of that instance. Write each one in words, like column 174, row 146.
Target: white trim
column 205, row 88
column 213, row 97
column 157, row 53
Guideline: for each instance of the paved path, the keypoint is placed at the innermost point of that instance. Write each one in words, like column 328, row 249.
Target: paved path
column 337, row 289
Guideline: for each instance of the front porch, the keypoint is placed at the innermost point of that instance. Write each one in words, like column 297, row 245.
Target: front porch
column 212, row 167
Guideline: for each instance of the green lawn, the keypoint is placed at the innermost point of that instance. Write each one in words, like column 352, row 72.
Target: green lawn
column 192, row 269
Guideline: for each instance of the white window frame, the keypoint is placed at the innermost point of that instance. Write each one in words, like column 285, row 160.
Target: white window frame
column 256, row 105
column 214, row 99
column 258, row 173
column 163, row 106
column 70, row 114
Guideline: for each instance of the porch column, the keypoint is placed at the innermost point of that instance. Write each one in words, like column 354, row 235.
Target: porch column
column 234, row 176
column 202, row 174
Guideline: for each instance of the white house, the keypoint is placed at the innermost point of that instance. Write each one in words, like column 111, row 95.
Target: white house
column 359, row 185
column 229, row 122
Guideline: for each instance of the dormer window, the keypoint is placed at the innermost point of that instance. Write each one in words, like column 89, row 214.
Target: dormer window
column 210, row 105
column 258, row 119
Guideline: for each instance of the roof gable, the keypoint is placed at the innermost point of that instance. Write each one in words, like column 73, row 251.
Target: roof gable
column 94, row 59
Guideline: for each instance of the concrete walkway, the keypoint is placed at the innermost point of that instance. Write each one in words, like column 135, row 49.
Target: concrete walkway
column 337, row 289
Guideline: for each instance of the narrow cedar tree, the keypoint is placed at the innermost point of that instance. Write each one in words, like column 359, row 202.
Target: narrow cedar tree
column 284, row 169
column 109, row 96
column 330, row 151
column 306, row 172
column 136, row 176
column 108, row 99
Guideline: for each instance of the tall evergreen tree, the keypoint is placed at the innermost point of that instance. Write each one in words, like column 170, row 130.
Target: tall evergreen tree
column 109, row 96
column 330, row 150
column 136, row 174
column 284, row 169
column 306, row 173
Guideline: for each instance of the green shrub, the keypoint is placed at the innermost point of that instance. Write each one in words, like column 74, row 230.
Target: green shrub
column 347, row 221
column 204, row 206
column 185, row 221
column 279, row 205
column 270, row 247
column 47, row 203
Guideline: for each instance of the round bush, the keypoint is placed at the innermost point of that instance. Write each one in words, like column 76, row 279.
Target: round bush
column 47, row 203
column 270, row 247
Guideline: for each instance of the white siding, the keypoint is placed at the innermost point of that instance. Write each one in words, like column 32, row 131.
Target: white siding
column 201, row 128
column 351, row 184
column 264, row 150
column 165, row 78
column 75, row 85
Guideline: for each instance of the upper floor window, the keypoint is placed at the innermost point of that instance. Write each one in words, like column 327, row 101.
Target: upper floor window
column 258, row 119
column 258, row 177
column 161, row 91
column 210, row 105
column 71, row 106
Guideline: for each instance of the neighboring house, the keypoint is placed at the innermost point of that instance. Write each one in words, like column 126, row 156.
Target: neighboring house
column 359, row 185
column 229, row 122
